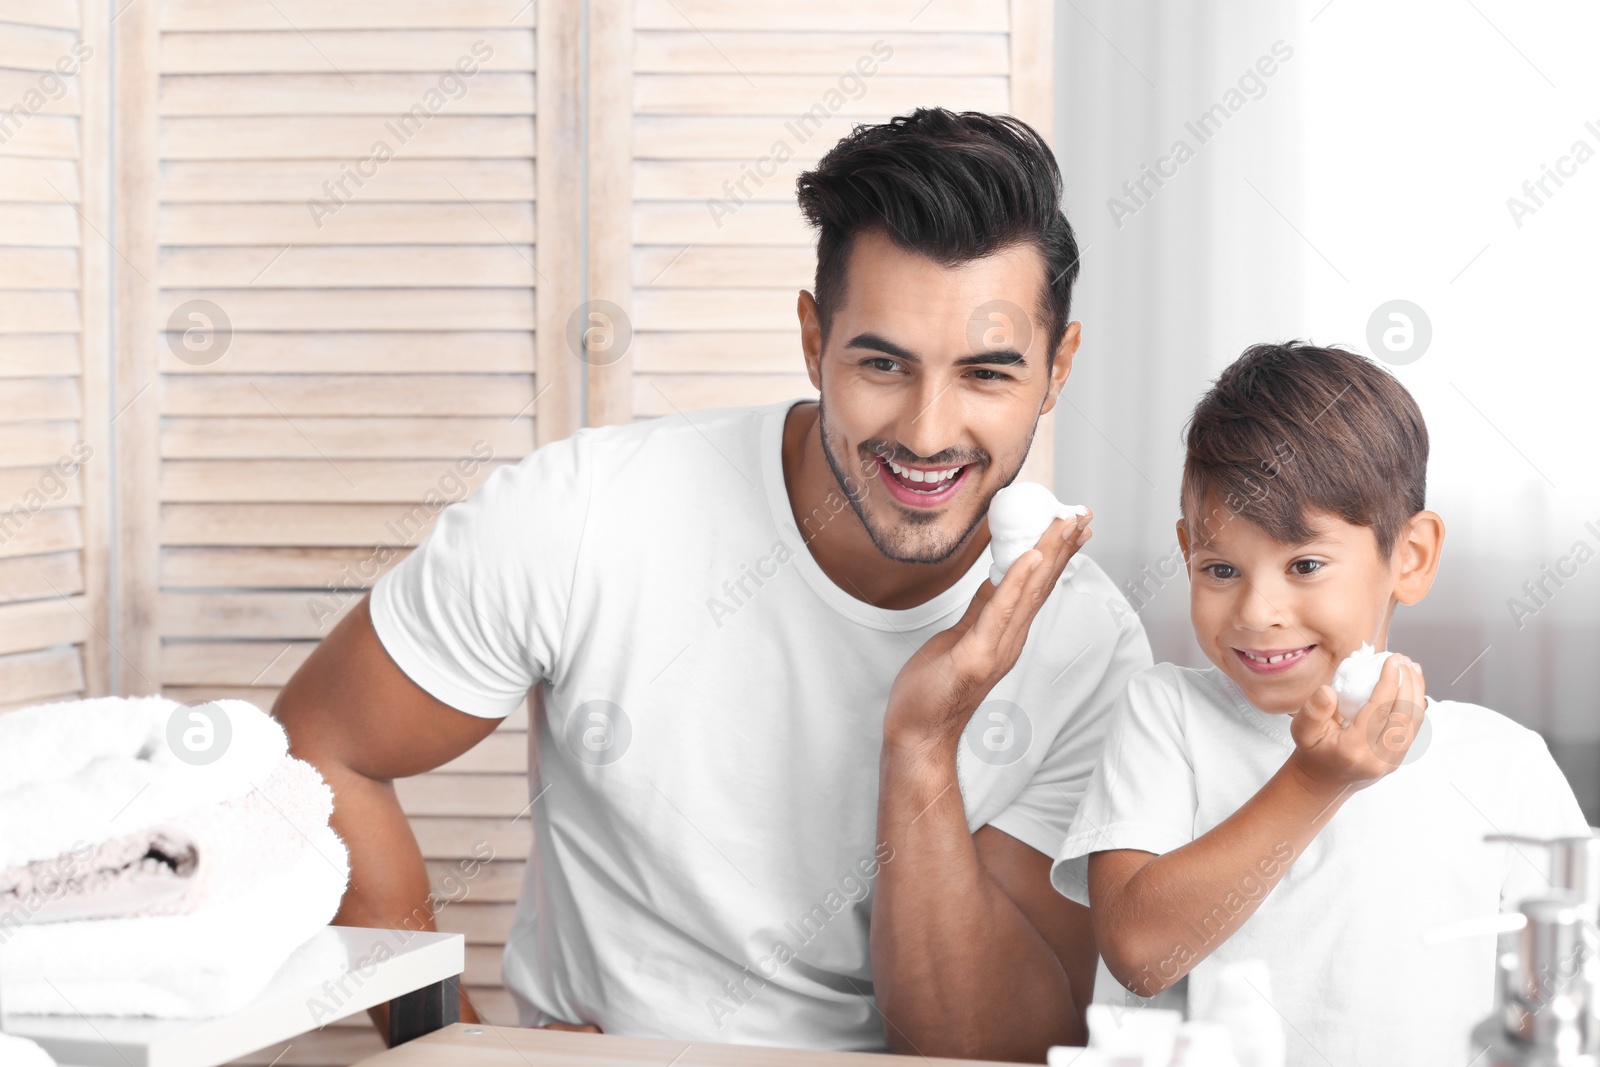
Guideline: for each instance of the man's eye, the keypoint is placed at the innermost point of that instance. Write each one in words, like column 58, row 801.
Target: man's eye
column 1306, row 566
column 1220, row 570
column 998, row 377
column 883, row 363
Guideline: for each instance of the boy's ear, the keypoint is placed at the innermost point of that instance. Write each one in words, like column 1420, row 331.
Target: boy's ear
column 1416, row 556
column 1183, row 541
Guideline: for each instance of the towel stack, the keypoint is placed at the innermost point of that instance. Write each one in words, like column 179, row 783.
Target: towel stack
column 139, row 877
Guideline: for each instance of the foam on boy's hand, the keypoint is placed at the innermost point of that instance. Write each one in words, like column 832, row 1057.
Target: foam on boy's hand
column 1018, row 517
column 1356, row 678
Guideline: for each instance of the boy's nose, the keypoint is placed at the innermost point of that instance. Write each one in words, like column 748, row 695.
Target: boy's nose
column 1256, row 611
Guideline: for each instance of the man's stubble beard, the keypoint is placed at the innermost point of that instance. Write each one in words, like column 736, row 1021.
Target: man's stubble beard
column 900, row 542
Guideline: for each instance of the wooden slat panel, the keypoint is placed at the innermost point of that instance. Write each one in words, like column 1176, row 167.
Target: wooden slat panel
column 387, row 438
column 26, row 47
column 29, row 399
column 356, row 352
column 344, row 266
column 365, row 309
column 352, row 51
column 291, row 181
column 332, row 1046
column 791, row 94
column 668, row 394
column 43, row 137
column 739, row 138
column 59, row 96
column 289, row 395
column 24, row 354
column 48, row 181
column 263, row 615
column 714, row 309
column 39, row 624
column 38, row 577
column 741, row 224
column 494, row 882
column 718, row 353
column 58, row 14
column 503, row 795
column 767, row 179
column 275, row 568
column 323, row 137
column 34, row 444
column 39, row 533
column 54, row 225
column 49, row 311
column 262, row 697
column 802, row 51
column 480, row 923
column 446, row 838
column 884, row 15
column 313, row 481
column 347, row 14
column 55, row 490
column 232, row 663
column 40, row 268
column 37, row 675
column 351, row 224
column 785, row 267
column 292, row 525
column 347, row 94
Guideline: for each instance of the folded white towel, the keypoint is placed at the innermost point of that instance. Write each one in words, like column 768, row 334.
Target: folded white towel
column 211, row 961
column 80, row 772
column 175, row 867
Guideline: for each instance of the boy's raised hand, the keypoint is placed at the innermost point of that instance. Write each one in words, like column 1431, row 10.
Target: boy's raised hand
column 1375, row 741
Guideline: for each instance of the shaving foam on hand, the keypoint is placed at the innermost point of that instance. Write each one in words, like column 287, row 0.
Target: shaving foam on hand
column 1018, row 517
column 1356, row 678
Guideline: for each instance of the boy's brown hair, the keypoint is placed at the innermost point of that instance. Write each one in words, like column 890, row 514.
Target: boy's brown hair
column 1291, row 428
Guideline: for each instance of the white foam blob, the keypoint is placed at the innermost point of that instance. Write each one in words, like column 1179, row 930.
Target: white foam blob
column 1356, row 678
column 1018, row 517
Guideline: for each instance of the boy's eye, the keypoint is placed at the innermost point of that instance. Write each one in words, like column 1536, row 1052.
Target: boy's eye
column 1306, row 566
column 1221, row 570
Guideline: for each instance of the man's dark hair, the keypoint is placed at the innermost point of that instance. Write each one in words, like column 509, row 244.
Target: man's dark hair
column 1292, row 428
column 952, row 187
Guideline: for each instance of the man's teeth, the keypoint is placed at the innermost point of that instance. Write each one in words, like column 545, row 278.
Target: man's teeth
column 920, row 476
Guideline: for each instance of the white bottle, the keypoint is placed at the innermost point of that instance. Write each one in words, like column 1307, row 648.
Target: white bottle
column 1241, row 1001
column 1202, row 1044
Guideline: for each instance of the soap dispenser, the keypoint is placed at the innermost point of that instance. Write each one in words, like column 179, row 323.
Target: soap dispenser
column 1548, row 977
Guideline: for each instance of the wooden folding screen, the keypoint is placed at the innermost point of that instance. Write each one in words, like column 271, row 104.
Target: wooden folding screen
column 335, row 287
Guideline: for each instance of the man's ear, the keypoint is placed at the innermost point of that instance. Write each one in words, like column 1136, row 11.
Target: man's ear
column 1063, row 364
column 810, row 337
column 1416, row 556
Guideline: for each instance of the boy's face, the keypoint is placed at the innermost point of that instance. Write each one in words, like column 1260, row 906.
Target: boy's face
column 1254, row 601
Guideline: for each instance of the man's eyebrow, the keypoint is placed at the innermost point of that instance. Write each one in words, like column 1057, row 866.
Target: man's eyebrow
column 1005, row 357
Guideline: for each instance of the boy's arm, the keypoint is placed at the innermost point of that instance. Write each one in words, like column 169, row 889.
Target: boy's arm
column 1155, row 917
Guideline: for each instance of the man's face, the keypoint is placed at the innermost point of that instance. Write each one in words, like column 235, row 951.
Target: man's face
column 935, row 373
column 1253, row 600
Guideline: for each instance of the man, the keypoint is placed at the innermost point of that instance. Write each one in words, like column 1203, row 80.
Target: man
column 770, row 807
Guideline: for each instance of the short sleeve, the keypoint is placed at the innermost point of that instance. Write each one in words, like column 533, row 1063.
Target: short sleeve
column 1040, row 815
column 1548, row 808
column 476, row 613
column 1142, row 794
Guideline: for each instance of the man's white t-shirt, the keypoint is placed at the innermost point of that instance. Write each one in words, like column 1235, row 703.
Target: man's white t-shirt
column 707, row 772
column 1343, row 931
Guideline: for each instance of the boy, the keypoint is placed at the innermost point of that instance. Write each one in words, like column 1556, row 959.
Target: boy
column 1233, row 815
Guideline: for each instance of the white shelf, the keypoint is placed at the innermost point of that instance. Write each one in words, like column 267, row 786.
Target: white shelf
column 300, row 998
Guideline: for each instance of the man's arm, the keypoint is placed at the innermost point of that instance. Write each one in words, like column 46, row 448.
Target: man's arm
column 1155, row 917
column 974, row 953
column 357, row 718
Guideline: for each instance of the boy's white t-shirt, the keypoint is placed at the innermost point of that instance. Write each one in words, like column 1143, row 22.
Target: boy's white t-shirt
column 1343, row 931
column 707, row 772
